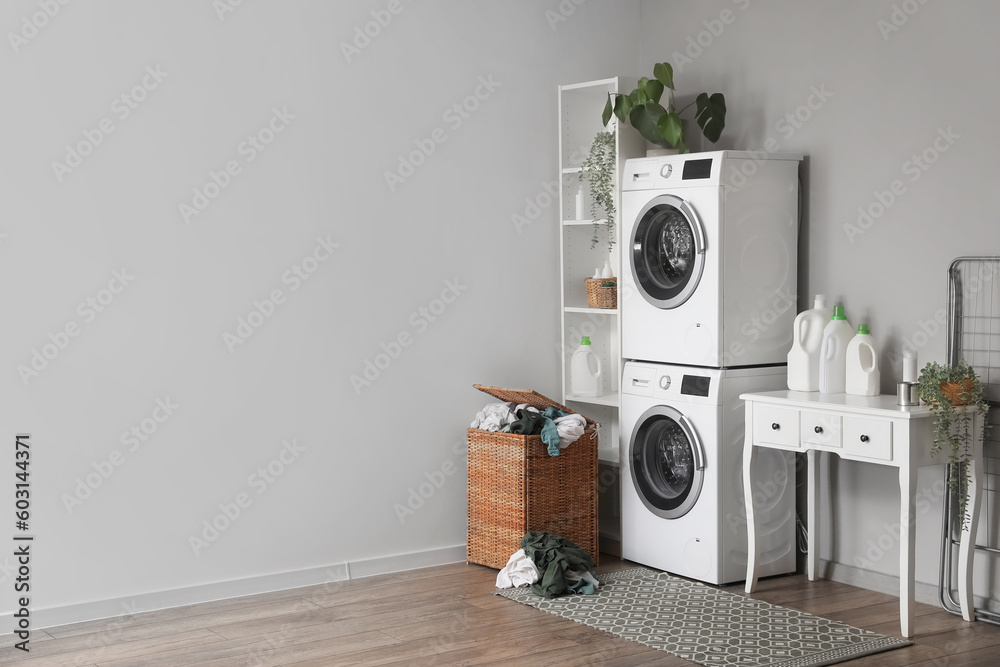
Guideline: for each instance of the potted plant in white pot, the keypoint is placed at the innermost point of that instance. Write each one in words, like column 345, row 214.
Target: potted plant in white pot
column 661, row 124
column 954, row 395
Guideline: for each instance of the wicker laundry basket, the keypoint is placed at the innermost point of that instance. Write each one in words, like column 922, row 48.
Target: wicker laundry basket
column 516, row 487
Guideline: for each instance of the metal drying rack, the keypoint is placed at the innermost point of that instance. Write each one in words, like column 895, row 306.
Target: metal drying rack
column 973, row 335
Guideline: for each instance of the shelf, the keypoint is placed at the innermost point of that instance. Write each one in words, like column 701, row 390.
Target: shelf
column 581, row 223
column 585, row 311
column 610, row 401
column 572, row 170
column 591, row 84
column 608, row 456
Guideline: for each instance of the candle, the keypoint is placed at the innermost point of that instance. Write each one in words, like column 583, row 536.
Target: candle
column 909, row 366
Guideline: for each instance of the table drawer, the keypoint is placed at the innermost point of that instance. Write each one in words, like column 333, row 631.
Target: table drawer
column 870, row 438
column 820, row 428
column 777, row 426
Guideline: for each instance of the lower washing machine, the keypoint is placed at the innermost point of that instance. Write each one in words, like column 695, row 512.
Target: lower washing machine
column 682, row 505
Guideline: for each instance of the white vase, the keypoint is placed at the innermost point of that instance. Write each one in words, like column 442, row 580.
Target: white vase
column 654, row 150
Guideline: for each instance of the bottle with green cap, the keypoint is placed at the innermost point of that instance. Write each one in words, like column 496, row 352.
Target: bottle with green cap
column 585, row 371
column 833, row 353
column 862, row 364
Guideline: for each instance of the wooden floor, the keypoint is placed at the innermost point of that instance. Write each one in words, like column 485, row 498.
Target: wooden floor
column 446, row 616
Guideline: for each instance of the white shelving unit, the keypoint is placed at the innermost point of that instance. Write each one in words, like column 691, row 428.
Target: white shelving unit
column 580, row 107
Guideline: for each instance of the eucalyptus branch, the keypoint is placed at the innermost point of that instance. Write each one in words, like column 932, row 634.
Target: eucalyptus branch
column 954, row 395
column 600, row 169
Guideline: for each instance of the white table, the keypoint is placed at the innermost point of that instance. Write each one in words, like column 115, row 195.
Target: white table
column 870, row 429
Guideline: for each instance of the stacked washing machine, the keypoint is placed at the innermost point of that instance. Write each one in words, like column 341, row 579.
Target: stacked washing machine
column 708, row 287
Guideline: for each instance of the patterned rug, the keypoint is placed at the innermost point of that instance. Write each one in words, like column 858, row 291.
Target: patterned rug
column 706, row 625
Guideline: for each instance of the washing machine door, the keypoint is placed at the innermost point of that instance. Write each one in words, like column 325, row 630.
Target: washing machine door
column 668, row 251
column 667, row 462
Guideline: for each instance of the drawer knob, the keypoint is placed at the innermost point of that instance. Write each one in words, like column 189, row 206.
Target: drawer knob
column 775, row 426
column 864, row 438
column 818, row 429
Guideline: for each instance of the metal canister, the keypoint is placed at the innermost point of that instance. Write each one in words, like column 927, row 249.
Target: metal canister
column 906, row 394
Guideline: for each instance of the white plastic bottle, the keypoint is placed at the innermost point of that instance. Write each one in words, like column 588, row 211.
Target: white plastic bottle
column 833, row 354
column 862, row 364
column 807, row 340
column 585, row 371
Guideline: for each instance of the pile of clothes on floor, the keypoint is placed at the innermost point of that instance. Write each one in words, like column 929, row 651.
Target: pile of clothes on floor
column 558, row 429
column 551, row 565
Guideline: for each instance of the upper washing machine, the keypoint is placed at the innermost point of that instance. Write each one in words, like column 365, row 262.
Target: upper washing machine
column 710, row 242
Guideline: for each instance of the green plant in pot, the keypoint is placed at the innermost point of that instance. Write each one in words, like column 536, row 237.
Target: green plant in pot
column 954, row 395
column 599, row 169
column 661, row 123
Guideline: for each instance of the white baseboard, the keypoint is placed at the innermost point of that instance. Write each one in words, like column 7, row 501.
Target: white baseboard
column 88, row 611
column 887, row 583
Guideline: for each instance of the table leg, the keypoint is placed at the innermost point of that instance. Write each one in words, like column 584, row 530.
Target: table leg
column 812, row 512
column 967, row 544
column 749, row 455
column 907, row 544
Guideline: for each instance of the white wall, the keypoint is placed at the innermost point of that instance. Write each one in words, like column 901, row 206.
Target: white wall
column 869, row 84
column 161, row 336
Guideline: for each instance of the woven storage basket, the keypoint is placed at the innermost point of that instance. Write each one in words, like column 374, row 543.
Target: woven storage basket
column 516, row 487
column 958, row 392
column 601, row 297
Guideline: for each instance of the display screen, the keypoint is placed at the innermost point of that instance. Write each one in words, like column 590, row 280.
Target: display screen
column 694, row 169
column 695, row 385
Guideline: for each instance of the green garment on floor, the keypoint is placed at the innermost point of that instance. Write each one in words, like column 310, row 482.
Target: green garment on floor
column 554, row 556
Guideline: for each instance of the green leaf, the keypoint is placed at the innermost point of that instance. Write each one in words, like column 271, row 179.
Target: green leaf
column 645, row 119
column 654, row 89
column 606, row 114
column 664, row 73
column 711, row 115
column 642, row 97
column 623, row 105
column 670, row 128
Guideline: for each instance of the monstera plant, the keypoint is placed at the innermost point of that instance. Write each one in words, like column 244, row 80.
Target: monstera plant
column 661, row 123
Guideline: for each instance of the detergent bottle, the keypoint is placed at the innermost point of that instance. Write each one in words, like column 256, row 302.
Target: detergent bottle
column 833, row 353
column 585, row 371
column 807, row 339
column 862, row 364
